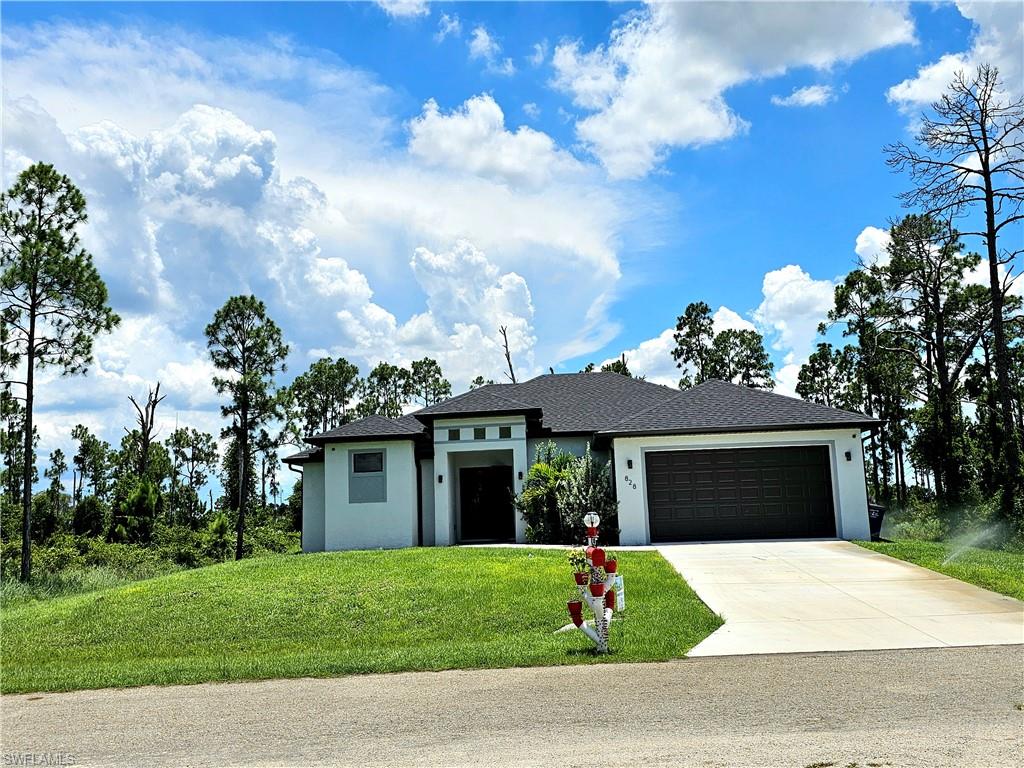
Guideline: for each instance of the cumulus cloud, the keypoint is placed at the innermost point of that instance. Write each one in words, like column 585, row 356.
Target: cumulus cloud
column 473, row 138
column 531, row 110
column 724, row 318
column 872, row 246
column 216, row 186
column 660, row 81
column 808, row 96
column 404, row 8
column 794, row 304
column 467, row 298
column 997, row 38
column 483, row 46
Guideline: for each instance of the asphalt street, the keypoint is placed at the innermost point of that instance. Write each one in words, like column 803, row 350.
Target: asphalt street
column 922, row 707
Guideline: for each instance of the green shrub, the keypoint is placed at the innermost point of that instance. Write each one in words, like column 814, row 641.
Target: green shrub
column 920, row 520
column 270, row 540
column 538, row 505
column 89, row 517
column 218, row 537
column 585, row 486
column 559, row 490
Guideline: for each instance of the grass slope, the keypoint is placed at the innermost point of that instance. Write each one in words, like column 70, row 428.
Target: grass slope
column 340, row 613
column 995, row 570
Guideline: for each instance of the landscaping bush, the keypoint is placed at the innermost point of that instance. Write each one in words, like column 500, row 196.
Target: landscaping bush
column 586, row 486
column 559, row 490
column 538, row 504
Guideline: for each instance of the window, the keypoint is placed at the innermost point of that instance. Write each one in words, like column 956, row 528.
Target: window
column 366, row 463
column 505, row 433
column 367, row 477
column 454, row 434
column 479, row 433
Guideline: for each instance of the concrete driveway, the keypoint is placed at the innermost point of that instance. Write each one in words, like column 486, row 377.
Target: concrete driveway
column 800, row 596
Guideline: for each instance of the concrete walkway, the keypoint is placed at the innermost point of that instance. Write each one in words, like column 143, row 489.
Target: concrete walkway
column 799, row 596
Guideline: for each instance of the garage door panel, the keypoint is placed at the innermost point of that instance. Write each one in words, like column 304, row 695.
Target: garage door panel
column 740, row 493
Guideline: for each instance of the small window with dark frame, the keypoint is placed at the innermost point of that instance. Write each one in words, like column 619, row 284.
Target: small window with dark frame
column 505, row 433
column 479, row 433
column 454, row 434
column 371, row 462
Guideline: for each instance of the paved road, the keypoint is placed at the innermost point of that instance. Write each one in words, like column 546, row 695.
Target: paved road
column 923, row 707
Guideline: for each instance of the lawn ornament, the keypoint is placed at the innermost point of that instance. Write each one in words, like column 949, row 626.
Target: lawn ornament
column 597, row 585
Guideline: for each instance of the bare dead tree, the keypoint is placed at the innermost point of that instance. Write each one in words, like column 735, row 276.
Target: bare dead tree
column 970, row 155
column 146, row 419
column 508, row 355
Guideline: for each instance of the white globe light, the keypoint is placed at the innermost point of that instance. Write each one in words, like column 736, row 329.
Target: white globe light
column 591, row 520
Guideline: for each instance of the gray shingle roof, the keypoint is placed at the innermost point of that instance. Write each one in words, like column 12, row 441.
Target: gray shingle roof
column 718, row 406
column 372, row 428
column 490, row 398
column 308, row 456
column 612, row 404
column 590, row 402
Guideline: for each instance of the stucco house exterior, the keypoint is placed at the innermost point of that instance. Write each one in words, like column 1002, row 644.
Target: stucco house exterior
column 717, row 461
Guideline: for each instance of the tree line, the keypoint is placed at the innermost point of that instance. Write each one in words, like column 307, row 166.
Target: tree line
column 937, row 357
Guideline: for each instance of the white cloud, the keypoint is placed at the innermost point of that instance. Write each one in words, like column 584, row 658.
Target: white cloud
column 333, row 277
column 660, row 81
column 998, row 38
column 473, row 138
column 467, row 297
column 448, row 26
column 404, row 8
column 208, row 183
column 872, row 247
column 793, row 305
column 531, row 110
column 808, row 96
column 724, row 318
column 540, row 53
column 653, row 359
column 483, row 46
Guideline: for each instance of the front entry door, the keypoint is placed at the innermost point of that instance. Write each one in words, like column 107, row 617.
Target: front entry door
column 485, row 499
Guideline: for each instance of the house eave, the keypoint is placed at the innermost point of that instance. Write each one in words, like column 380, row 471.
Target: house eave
column 805, row 427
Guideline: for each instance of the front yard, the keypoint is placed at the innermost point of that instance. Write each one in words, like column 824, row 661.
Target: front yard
column 996, row 570
column 341, row 613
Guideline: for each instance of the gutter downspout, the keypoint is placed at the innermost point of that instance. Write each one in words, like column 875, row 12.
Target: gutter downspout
column 302, row 531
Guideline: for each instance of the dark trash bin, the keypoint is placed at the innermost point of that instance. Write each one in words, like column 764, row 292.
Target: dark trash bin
column 876, row 512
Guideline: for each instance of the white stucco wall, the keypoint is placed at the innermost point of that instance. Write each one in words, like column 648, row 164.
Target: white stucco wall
column 313, row 507
column 848, row 487
column 450, row 456
column 370, row 525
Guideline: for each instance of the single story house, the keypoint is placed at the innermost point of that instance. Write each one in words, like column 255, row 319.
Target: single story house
column 713, row 462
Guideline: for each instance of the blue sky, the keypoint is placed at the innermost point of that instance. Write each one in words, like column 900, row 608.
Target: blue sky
column 397, row 180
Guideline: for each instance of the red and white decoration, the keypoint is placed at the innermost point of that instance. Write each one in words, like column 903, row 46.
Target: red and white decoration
column 600, row 589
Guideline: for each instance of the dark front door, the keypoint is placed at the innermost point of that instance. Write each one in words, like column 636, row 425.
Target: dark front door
column 741, row 493
column 485, row 499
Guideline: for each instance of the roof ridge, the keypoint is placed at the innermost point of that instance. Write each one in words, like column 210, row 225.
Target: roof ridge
column 636, row 414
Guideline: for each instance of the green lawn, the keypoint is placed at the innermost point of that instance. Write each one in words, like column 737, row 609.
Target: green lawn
column 340, row 613
column 995, row 570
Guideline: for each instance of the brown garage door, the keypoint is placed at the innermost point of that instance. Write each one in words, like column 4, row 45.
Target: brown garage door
column 740, row 493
